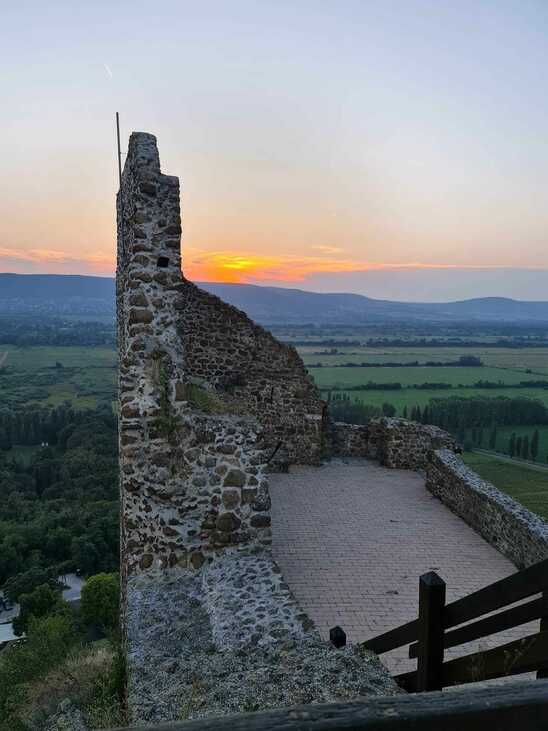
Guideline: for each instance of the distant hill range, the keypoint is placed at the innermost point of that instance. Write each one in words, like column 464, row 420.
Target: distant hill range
column 57, row 294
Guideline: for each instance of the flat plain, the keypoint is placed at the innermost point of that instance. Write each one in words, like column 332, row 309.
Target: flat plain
column 54, row 374
column 507, row 366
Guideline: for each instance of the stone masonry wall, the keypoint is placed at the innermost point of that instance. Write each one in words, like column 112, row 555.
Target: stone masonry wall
column 395, row 443
column 192, row 483
column 512, row 529
column 207, row 398
column 250, row 369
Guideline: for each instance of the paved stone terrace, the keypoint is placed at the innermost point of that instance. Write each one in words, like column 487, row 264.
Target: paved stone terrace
column 352, row 539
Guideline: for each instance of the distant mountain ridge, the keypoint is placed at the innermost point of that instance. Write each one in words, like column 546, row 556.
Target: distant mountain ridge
column 61, row 294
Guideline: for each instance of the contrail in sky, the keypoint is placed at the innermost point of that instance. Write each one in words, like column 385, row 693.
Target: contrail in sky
column 107, row 69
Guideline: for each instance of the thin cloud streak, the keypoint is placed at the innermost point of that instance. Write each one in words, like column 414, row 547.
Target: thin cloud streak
column 51, row 261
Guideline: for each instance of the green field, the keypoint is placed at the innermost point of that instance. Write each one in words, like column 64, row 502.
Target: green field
column 51, row 375
column 88, row 375
column 34, row 358
column 506, row 365
column 528, row 486
column 327, row 377
column 409, row 397
column 519, row 359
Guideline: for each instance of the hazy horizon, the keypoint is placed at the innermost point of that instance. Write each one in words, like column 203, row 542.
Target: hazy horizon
column 444, row 285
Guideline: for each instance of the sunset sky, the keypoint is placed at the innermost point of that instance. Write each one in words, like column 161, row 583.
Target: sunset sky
column 384, row 147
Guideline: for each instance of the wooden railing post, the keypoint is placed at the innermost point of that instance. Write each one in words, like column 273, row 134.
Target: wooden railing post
column 430, row 651
column 541, row 674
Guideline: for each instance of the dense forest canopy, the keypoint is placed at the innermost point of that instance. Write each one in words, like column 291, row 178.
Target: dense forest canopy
column 453, row 413
column 58, row 509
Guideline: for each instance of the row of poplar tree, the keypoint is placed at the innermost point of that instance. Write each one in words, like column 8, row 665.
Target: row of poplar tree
column 524, row 446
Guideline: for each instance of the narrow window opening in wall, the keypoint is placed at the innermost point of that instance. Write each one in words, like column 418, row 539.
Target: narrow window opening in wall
column 163, row 262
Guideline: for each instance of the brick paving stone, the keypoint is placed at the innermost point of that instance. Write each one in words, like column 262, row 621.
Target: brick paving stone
column 352, row 539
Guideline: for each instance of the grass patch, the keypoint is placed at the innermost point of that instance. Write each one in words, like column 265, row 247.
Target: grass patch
column 209, row 403
column 199, row 398
column 526, row 485
column 86, row 680
column 54, row 666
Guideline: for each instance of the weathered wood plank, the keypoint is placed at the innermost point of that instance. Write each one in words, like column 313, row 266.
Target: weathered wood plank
column 520, row 585
column 516, row 587
column 520, row 656
column 402, row 635
column 523, row 706
column 507, row 619
column 543, row 673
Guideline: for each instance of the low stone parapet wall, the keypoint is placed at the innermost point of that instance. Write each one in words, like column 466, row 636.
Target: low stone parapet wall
column 350, row 440
column 396, row 443
column 407, row 444
column 516, row 532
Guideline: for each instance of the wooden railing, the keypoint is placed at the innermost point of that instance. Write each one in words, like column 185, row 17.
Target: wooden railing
column 522, row 707
column 428, row 636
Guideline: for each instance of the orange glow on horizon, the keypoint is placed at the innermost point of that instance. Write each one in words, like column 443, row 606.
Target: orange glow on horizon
column 233, row 267
column 230, row 267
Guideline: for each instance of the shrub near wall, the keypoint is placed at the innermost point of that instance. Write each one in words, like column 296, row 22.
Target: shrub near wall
column 516, row 532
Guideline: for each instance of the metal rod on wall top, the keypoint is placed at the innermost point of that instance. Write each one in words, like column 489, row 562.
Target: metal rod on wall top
column 119, row 150
column 120, row 201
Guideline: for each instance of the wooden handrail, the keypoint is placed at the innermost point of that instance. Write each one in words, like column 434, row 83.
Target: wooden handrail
column 523, row 706
column 402, row 635
column 507, row 619
column 519, row 656
column 513, row 588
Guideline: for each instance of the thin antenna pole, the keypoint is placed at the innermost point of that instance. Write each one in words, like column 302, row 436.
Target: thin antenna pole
column 119, row 150
column 120, row 199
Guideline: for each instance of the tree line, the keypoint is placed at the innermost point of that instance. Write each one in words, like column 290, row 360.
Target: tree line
column 511, row 342
column 525, row 446
column 33, row 329
column 342, row 408
column 32, row 426
column 438, row 385
column 473, row 421
column 465, row 361
column 455, row 413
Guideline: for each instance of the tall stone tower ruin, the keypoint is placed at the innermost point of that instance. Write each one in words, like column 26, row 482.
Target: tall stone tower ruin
column 209, row 401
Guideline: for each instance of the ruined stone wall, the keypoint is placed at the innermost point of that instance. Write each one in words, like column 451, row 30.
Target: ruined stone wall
column 254, row 372
column 351, row 440
column 192, row 480
column 206, row 397
column 513, row 530
column 395, row 443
